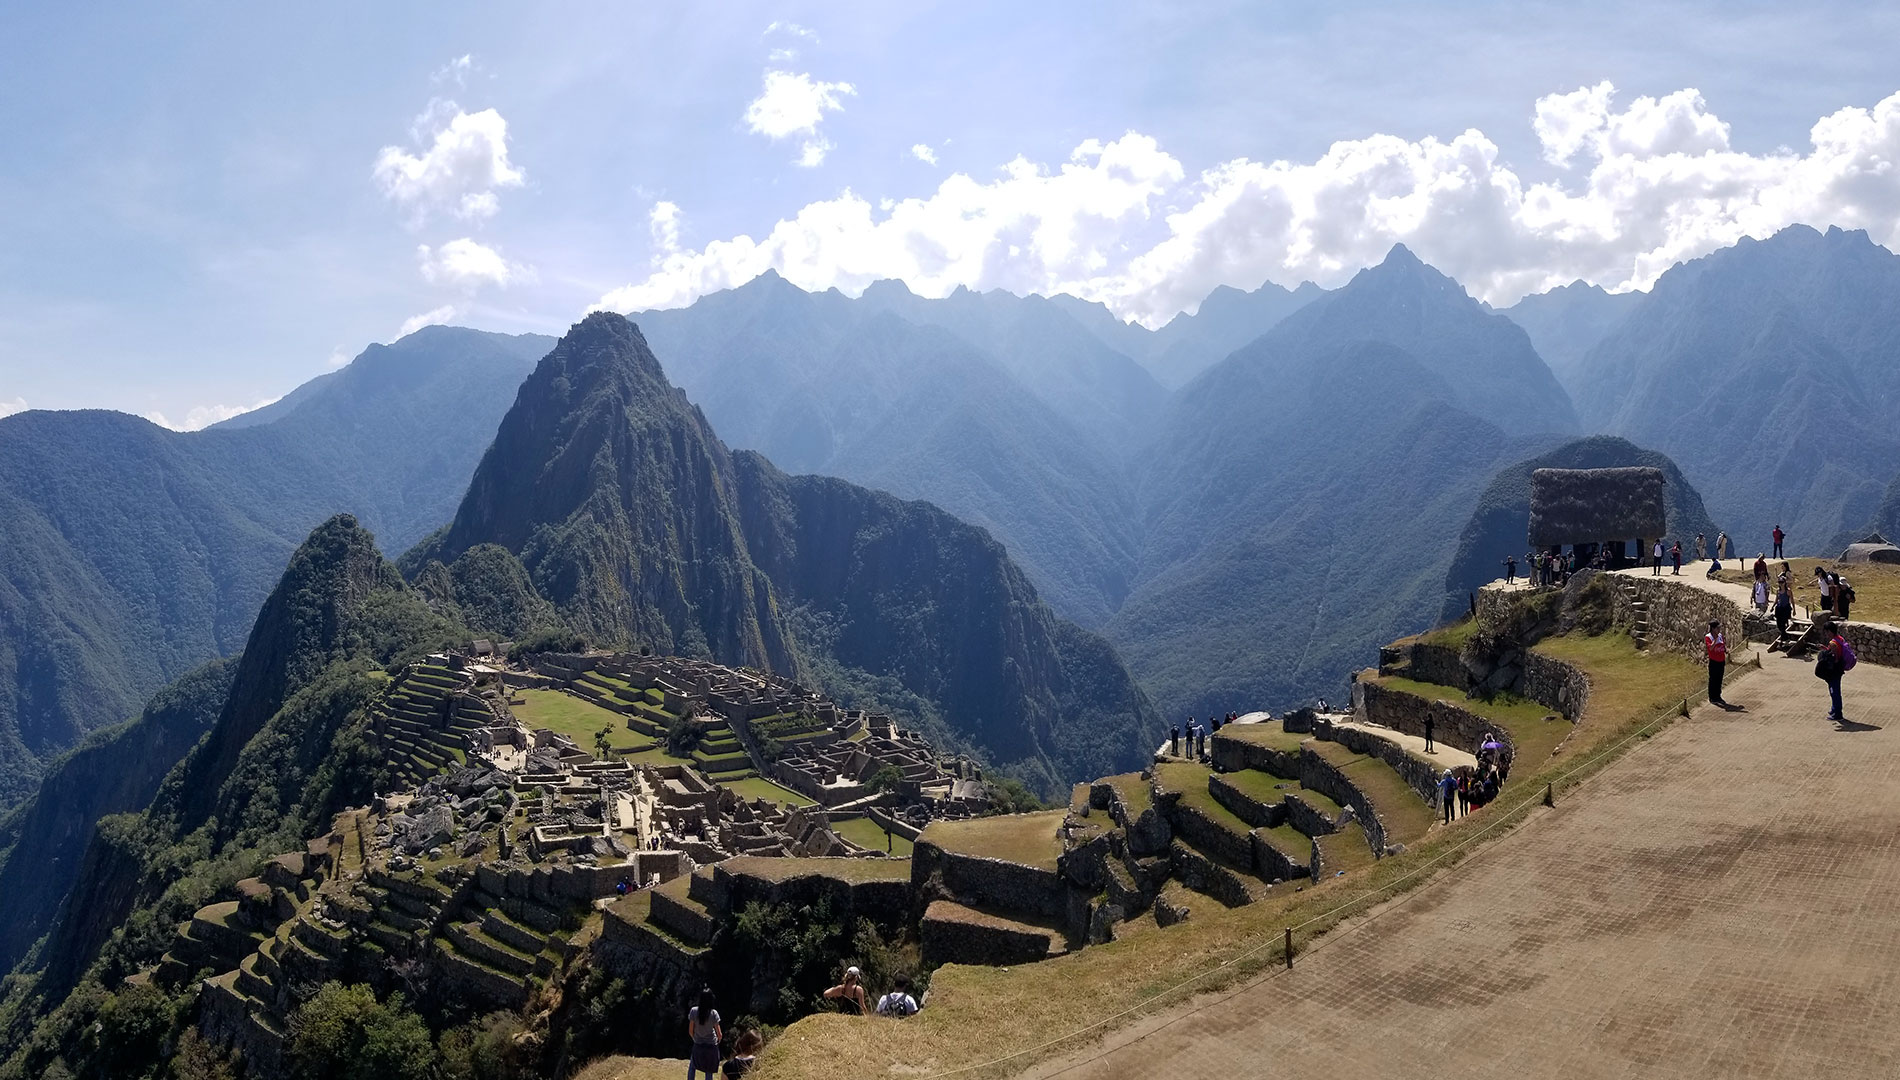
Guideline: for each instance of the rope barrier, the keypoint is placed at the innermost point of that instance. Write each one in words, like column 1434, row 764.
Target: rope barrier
column 1503, row 818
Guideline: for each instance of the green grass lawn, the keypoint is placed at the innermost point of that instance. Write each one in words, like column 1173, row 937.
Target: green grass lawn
column 1452, row 636
column 1258, row 786
column 574, row 717
column 758, row 787
column 1021, row 838
column 1272, row 735
column 1136, row 794
column 656, row 755
column 1534, row 736
column 1291, row 841
column 868, row 834
column 1876, row 587
column 855, row 871
column 1627, row 685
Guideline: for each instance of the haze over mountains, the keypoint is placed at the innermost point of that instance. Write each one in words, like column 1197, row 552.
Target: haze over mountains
column 1241, row 502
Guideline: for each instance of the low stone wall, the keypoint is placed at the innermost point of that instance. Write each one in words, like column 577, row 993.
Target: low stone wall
column 1435, row 664
column 1197, row 829
column 1418, row 775
column 1318, row 774
column 1874, row 643
column 1555, row 684
column 1245, row 806
column 890, row 822
column 952, row 933
column 1234, row 755
column 1406, row 712
column 887, row 902
column 1304, row 816
column 1272, row 863
column 993, row 883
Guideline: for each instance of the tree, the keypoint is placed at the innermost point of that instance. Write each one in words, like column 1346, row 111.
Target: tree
column 1009, row 796
column 886, row 778
column 344, row 1033
column 600, row 740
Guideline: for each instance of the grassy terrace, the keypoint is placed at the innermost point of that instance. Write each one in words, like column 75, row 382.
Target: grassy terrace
column 1136, row 794
column 574, row 717
column 758, row 787
column 1406, row 816
column 1270, row 735
column 1029, row 839
column 1535, row 737
column 853, row 871
column 1876, row 587
column 1262, row 787
column 868, row 834
column 1625, row 684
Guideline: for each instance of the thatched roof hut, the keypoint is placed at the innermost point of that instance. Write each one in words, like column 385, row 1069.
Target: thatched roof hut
column 1589, row 506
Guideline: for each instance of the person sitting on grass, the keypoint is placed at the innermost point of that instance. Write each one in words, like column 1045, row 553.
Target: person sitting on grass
column 850, row 994
column 744, row 1053
column 898, row 1002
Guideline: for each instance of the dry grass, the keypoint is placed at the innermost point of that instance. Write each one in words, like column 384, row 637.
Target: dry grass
column 853, row 871
column 1272, row 735
column 1406, row 816
column 1625, row 684
column 1029, row 839
column 633, row 1068
column 1876, row 586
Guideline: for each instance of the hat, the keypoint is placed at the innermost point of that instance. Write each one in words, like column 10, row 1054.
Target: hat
column 853, row 971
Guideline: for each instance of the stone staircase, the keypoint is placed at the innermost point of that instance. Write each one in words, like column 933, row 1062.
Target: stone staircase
column 1639, row 628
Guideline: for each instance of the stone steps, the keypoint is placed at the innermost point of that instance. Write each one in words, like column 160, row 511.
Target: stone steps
column 1215, row 876
column 473, row 942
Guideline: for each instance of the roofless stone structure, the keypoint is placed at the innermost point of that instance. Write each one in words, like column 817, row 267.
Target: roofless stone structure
column 1589, row 506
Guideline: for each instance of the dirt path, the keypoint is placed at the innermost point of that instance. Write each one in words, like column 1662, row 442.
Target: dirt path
column 1723, row 901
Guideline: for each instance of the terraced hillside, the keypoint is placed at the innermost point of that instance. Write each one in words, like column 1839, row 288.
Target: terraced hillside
column 424, row 721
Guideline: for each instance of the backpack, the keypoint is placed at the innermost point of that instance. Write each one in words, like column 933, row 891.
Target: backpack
column 1848, row 659
column 1847, row 592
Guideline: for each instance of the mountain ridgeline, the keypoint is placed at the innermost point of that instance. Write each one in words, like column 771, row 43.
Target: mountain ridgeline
column 640, row 527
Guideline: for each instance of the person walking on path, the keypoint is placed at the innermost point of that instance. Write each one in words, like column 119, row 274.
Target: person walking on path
column 1701, row 547
column 850, row 994
column 1429, row 725
column 702, row 1026
column 1784, row 605
column 1779, row 537
column 1836, row 659
column 1761, row 567
column 1675, row 553
column 1760, row 596
column 1447, row 791
column 1656, row 555
column 1715, row 647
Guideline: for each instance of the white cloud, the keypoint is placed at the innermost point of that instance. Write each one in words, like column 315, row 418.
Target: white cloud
column 203, row 416
column 924, row 153
column 432, row 317
column 456, row 70
column 338, row 357
column 8, row 408
column 1649, row 185
column 792, row 29
column 663, row 222
column 462, row 162
column 466, row 264
column 793, row 104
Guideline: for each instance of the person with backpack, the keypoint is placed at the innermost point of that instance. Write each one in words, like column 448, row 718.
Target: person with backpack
column 702, row 1026
column 898, row 1003
column 1430, row 724
column 1715, row 647
column 1837, row 658
column 1447, row 791
column 1843, row 596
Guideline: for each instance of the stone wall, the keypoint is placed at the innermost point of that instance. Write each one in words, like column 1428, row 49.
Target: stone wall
column 1555, row 684
column 1234, row 755
column 1406, row 712
column 1318, row 774
column 987, row 882
column 1418, row 775
column 1874, row 643
column 1679, row 614
column 1429, row 663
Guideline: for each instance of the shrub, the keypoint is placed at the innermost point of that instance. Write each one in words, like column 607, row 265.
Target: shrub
column 344, row 1033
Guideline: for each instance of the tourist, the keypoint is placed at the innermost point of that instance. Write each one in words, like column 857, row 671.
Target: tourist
column 1216, row 723
column 1715, row 565
column 1784, row 606
column 1488, row 790
column 745, row 1053
column 1510, row 569
column 1715, row 647
column 1675, row 553
column 1430, row 723
column 1464, row 793
column 1836, row 659
column 1779, row 536
column 1761, row 567
column 1721, row 546
column 1174, row 740
column 850, row 993
column 702, row 1026
column 1822, row 582
column 1760, row 595
column 1843, row 596
column 898, row 1002
column 1655, row 564
column 1701, row 547
column 1447, row 791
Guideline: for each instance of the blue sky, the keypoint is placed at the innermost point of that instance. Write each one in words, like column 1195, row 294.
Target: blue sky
column 195, row 219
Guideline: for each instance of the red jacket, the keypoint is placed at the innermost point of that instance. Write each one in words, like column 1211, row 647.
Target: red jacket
column 1717, row 648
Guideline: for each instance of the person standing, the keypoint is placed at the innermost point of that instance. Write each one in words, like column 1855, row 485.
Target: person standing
column 1447, row 791
column 1784, row 605
column 1174, row 740
column 1761, row 567
column 1779, row 537
column 1843, row 596
column 1701, row 547
column 1510, row 569
column 1760, row 596
column 898, row 1002
column 1656, row 555
column 1430, row 724
column 1715, row 647
column 702, row 1026
column 1721, row 546
column 1836, row 659
column 1822, row 582
column 1675, row 553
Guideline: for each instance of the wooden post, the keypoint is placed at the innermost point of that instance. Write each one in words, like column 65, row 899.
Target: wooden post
column 1289, row 948
column 1550, row 794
